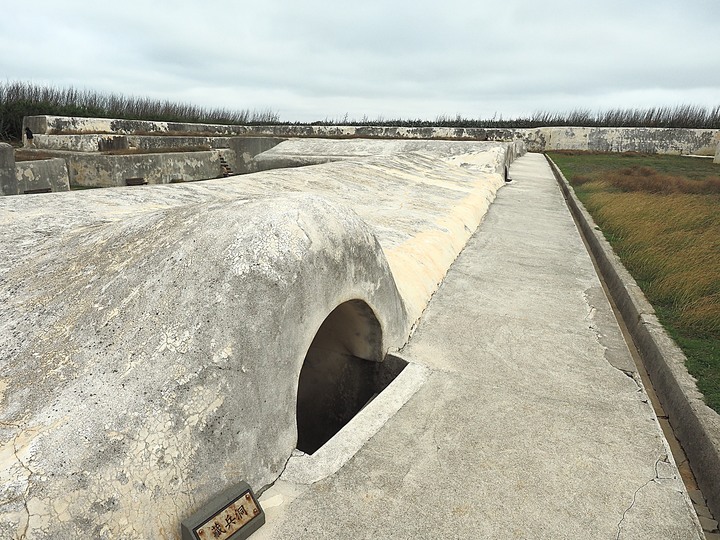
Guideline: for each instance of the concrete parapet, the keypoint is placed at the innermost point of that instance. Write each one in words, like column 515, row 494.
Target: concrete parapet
column 245, row 148
column 42, row 175
column 696, row 426
column 8, row 180
column 644, row 140
column 96, row 170
column 601, row 139
column 54, row 125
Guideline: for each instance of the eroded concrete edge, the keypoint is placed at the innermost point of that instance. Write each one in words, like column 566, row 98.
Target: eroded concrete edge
column 308, row 469
column 696, row 425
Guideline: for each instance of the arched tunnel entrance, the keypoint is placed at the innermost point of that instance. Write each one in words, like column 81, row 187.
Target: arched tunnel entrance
column 343, row 371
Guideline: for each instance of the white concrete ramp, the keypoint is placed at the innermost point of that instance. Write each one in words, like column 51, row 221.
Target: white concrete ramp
column 532, row 423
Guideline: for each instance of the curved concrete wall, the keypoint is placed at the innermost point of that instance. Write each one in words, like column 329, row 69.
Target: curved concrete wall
column 179, row 343
column 153, row 338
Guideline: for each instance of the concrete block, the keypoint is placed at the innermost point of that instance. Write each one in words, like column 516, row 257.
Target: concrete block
column 97, row 170
column 717, row 154
column 112, row 142
column 246, row 148
column 8, row 180
column 40, row 175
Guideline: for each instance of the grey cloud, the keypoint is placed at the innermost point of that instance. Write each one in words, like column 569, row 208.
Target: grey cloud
column 401, row 58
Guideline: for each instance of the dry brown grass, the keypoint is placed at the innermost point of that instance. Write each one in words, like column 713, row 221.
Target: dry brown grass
column 648, row 180
column 672, row 244
column 32, row 155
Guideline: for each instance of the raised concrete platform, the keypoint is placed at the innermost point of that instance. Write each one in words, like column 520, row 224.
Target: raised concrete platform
column 153, row 336
column 532, row 423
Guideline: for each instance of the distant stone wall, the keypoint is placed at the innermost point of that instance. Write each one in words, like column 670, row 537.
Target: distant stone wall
column 98, row 170
column 39, row 175
column 645, row 140
column 53, row 125
column 650, row 140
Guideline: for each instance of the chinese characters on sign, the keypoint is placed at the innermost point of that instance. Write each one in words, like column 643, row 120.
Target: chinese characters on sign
column 229, row 520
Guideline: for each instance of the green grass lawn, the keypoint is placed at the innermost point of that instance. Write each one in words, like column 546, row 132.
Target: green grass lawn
column 661, row 214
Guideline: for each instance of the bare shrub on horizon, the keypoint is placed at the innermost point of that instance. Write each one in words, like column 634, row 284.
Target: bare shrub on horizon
column 20, row 99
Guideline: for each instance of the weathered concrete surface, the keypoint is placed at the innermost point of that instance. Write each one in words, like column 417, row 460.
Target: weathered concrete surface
column 69, row 125
column 717, row 154
column 645, row 140
column 303, row 152
column 651, row 140
column 42, row 174
column 8, row 180
column 152, row 338
column 695, row 424
column 245, row 148
column 99, row 170
column 78, row 143
column 172, row 364
column 532, row 423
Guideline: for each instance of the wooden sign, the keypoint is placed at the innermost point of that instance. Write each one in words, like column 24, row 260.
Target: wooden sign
column 233, row 515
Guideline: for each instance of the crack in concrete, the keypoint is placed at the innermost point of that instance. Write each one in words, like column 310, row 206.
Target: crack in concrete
column 663, row 459
column 27, row 488
column 279, row 477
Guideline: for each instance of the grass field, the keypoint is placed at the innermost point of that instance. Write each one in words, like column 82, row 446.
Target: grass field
column 661, row 214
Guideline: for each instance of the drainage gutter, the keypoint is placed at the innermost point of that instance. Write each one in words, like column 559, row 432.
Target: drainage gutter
column 696, row 425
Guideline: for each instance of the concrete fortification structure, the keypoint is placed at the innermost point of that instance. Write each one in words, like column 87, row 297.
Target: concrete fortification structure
column 399, row 338
column 159, row 356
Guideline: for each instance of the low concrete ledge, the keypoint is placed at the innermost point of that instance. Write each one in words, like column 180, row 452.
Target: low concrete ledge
column 42, row 175
column 50, row 124
column 98, row 170
column 245, row 148
column 695, row 424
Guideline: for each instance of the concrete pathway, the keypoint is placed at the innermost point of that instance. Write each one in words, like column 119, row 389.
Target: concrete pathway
column 531, row 423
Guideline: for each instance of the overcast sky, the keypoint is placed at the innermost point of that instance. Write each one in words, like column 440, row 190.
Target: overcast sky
column 311, row 59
